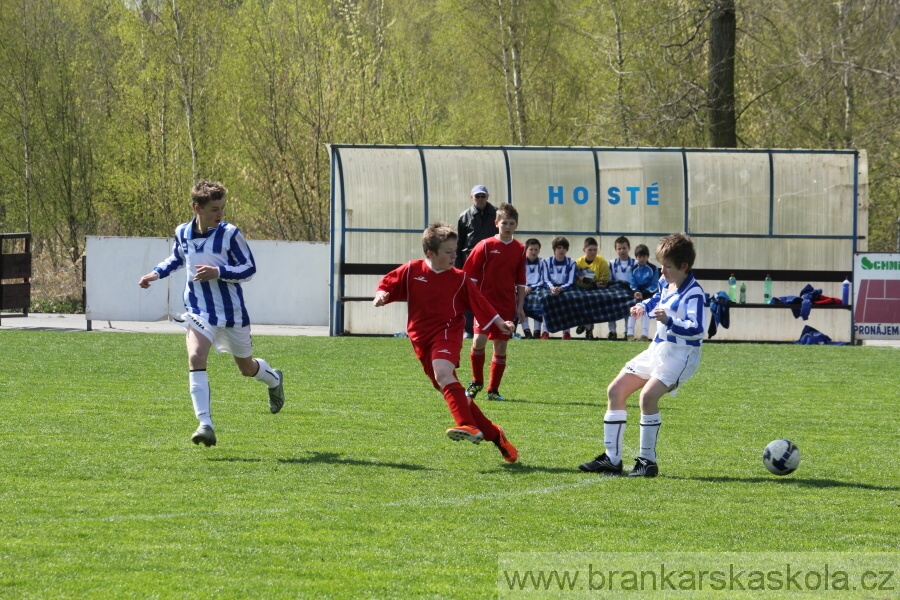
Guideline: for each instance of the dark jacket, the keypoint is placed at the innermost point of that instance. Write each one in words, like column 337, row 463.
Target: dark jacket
column 474, row 225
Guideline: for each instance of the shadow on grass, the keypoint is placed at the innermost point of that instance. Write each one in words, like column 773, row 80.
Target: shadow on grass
column 235, row 459
column 333, row 458
column 806, row 482
column 518, row 467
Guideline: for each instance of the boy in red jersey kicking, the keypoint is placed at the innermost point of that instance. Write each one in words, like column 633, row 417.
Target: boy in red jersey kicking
column 437, row 294
column 497, row 266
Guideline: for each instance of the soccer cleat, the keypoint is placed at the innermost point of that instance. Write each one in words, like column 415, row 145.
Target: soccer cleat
column 276, row 394
column 527, row 334
column 579, row 330
column 473, row 389
column 492, row 395
column 567, row 335
column 612, row 335
column 545, row 336
column 644, row 338
column 509, row 452
column 602, row 464
column 467, row 335
column 630, row 338
column 644, row 468
column 465, row 432
column 204, row 435
column 589, row 334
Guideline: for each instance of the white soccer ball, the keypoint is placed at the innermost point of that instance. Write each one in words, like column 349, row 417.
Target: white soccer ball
column 781, row 457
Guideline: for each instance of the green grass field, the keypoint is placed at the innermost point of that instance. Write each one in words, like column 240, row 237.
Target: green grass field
column 354, row 491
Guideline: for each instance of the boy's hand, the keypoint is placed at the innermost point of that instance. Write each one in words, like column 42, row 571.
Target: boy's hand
column 637, row 311
column 660, row 315
column 638, row 296
column 506, row 327
column 381, row 298
column 206, row 273
column 146, row 279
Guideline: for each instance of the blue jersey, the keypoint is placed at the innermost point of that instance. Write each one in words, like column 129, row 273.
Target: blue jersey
column 561, row 274
column 220, row 301
column 686, row 309
column 644, row 278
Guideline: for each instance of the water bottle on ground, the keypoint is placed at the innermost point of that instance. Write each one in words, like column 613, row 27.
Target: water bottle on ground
column 767, row 290
column 845, row 292
column 743, row 292
column 732, row 288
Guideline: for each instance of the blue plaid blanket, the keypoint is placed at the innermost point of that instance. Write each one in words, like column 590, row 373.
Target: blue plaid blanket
column 576, row 306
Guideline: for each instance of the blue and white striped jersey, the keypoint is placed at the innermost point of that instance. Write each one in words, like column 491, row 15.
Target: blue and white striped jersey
column 220, row 301
column 534, row 273
column 686, row 308
column 561, row 274
column 621, row 270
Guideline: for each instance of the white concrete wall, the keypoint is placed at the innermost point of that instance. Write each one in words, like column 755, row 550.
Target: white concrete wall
column 291, row 286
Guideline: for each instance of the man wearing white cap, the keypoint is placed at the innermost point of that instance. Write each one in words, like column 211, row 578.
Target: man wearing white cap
column 476, row 223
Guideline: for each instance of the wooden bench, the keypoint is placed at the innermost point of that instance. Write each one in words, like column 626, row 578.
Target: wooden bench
column 15, row 265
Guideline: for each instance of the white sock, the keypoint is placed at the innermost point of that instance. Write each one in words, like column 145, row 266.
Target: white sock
column 629, row 328
column 649, row 432
column 199, row 385
column 612, row 327
column 614, row 433
column 645, row 325
column 266, row 374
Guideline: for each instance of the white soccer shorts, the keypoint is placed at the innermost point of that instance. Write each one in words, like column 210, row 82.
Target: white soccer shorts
column 669, row 363
column 236, row 341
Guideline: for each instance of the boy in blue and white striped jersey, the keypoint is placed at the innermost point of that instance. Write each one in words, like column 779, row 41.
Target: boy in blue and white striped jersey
column 620, row 270
column 534, row 279
column 218, row 260
column 671, row 359
column 559, row 274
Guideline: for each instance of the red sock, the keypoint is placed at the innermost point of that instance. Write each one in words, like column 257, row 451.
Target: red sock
column 486, row 426
column 458, row 403
column 476, row 357
column 498, row 365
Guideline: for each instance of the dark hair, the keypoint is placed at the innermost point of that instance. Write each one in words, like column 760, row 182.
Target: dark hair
column 641, row 250
column 205, row 191
column 590, row 242
column 677, row 248
column 509, row 211
column 435, row 235
column 623, row 240
column 559, row 242
column 533, row 242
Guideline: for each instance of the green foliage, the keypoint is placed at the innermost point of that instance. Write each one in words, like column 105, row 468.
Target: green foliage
column 353, row 490
column 109, row 110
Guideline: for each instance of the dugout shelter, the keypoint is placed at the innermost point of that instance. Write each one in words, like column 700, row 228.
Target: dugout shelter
column 799, row 215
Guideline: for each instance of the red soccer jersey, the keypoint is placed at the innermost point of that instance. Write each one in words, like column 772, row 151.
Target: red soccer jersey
column 435, row 301
column 498, row 268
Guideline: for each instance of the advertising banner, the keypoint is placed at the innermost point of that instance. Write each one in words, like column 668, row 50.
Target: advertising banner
column 876, row 296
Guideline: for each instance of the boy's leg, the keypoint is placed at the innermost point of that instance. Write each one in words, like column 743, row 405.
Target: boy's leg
column 476, row 359
column 612, row 330
column 614, row 420
column 457, row 402
column 645, row 326
column 614, row 424
column 237, row 341
column 198, row 346
column 498, row 366
column 629, row 329
column 645, row 465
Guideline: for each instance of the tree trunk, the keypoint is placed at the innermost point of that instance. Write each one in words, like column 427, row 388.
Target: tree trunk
column 722, row 30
